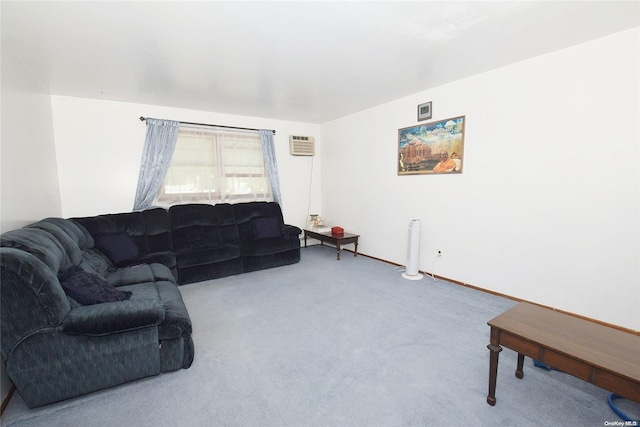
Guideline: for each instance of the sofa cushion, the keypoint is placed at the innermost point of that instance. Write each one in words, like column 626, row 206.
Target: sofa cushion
column 157, row 229
column 162, row 273
column 94, row 262
column 130, row 275
column 140, row 273
column 40, row 244
column 146, row 290
column 269, row 246
column 246, row 213
column 71, row 248
column 131, row 223
column 208, row 256
column 196, row 237
column 118, row 247
column 167, row 258
column 88, row 289
column 75, row 231
column 201, row 226
column 265, row 227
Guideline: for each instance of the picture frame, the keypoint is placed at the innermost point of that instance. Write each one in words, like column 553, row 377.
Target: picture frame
column 434, row 148
column 424, row 111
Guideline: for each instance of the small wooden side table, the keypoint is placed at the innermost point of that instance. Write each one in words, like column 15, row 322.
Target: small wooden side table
column 335, row 239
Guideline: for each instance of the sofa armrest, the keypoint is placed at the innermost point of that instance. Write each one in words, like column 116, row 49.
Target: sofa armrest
column 290, row 230
column 113, row 317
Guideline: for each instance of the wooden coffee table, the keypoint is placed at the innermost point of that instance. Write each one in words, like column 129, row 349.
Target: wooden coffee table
column 604, row 356
column 335, row 239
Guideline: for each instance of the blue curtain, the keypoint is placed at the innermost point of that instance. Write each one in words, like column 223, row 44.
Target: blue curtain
column 156, row 157
column 269, row 153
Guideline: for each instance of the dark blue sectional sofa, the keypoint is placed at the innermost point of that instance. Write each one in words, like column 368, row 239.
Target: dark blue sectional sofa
column 201, row 242
column 90, row 303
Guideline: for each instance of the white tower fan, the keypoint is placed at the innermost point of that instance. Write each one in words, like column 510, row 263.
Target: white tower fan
column 413, row 251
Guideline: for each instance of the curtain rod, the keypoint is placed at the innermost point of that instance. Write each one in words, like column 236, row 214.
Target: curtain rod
column 215, row 126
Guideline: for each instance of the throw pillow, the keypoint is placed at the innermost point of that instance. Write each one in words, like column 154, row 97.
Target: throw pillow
column 265, row 227
column 88, row 289
column 118, row 247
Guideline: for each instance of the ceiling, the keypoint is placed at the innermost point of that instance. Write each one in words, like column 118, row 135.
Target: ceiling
column 296, row 60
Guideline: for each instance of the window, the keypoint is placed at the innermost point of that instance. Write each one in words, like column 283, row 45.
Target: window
column 215, row 165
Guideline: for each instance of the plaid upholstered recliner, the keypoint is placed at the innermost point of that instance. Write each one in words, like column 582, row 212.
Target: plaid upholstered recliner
column 54, row 348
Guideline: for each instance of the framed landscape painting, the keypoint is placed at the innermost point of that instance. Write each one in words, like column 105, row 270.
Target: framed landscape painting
column 432, row 148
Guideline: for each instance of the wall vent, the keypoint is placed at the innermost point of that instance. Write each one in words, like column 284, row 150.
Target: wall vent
column 302, row 145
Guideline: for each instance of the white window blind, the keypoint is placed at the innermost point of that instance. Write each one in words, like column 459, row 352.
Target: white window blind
column 215, row 165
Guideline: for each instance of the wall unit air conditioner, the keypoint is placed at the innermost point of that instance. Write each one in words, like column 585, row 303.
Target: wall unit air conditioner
column 302, row 145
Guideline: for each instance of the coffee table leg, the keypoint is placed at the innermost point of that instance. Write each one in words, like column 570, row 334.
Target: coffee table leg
column 519, row 369
column 495, row 350
column 305, row 240
column 355, row 253
column 338, row 249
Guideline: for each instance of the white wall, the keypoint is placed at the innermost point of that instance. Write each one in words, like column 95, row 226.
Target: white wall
column 28, row 175
column 547, row 208
column 99, row 146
